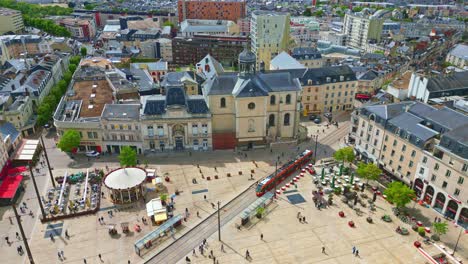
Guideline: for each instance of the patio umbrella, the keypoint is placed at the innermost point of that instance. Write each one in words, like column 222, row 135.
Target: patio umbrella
column 341, row 169
column 352, row 178
column 333, row 182
column 323, row 173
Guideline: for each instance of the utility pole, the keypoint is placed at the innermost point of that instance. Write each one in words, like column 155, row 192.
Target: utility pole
column 37, row 192
column 458, row 239
column 219, row 223
column 315, row 151
column 276, row 180
column 48, row 163
column 25, row 240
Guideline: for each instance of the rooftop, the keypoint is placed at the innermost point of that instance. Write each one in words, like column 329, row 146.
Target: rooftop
column 121, row 111
column 306, row 53
column 454, row 81
column 403, row 81
column 330, row 75
column 97, row 61
column 94, row 96
column 460, row 51
column 285, row 61
column 8, row 12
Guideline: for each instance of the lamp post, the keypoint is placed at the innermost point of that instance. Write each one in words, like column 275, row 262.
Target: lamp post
column 276, row 180
column 48, row 163
column 458, row 239
column 23, row 236
column 315, row 151
column 37, row 192
column 219, row 223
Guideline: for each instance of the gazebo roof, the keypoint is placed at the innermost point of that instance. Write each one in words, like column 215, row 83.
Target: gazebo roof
column 125, row 178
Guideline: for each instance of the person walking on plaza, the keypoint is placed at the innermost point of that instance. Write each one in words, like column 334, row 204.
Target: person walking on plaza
column 21, row 249
column 261, row 236
column 354, row 249
column 18, row 236
column 61, row 253
column 59, row 256
column 222, row 247
column 100, row 257
column 84, row 261
column 323, row 250
column 357, row 253
column 247, row 254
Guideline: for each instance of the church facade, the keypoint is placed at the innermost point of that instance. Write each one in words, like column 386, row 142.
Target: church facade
column 253, row 108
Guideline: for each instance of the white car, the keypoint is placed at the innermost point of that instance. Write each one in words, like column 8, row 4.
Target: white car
column 92, row 153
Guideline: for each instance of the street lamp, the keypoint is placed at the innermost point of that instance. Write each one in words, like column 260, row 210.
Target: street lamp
column 23, row 236
column 315, row 151
column 37, row 192
column 276, row 180
column 458, row 239
column 219, row 223
column 48, row 163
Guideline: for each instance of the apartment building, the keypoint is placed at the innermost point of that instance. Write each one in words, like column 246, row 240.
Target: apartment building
column 458, row 56
column 80, row 28
column 269, row 34
column 215, row 10
column 420, row 145
column 360, row 30
column 328, row 89
column 10, row 21
column 191, row 27
column 309, row 57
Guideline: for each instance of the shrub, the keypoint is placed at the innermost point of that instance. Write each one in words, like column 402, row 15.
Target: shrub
column 260, row 212
column 337, row 191
column 421, row 231
column 163, row 197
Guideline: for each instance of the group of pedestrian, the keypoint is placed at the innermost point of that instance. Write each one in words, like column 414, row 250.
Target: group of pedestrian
column 437, row 219
column 61, row 256
column 110, row 213
column 143, row 219
column 355, row 251
column 101, row 220
column 19, row 249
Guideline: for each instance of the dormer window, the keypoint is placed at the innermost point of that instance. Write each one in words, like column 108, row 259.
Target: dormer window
column 309, row 82
column 328, row 79
column 341, row 78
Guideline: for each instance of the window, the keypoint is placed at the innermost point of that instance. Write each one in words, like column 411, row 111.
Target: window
column 161, row 131
column 408, row 174
column 410, row 164
column 460, row 180
column 286, row 119
column 251, row 106
column 326, row 95
column 271, row 120
column 122, row 137
column 447, row 173
column 384, row 147
column 375, row 142
column 130, row 137
column 424, row 160
column 401, row 158
column 377, row 132
column 456, row 192
column 403, row 148
column 436, row 167
column 195, row 129
column 393, row 153
column 394, row 142
column 90, row 134
column 150, row 131
column 370, row 127
column 386, row 138
column 413, row 153
column 121, row 127
column 288, row 99
column 223, row 102
column 251, row 125
column 112, row 127
column 204, row 128
column 444, row 184
column 273, row 99
column 129, row 127
column 465, row 167
column 114, row 137
column 390, row 162
column 383, row 156
column 433, row 177
column 95, row 135
column 421, row 171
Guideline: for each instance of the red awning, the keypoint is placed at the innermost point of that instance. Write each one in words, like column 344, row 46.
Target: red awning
column 17, row 170
column 9, row 186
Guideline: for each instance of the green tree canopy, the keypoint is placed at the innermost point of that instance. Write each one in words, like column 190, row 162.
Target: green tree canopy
column 440, row 228
column 128, row 157
column 75, row 60
column 83, row 51
column 169, row 23
column 399, row 194
column 368, row 171
column 345, row 154
column 70, row 140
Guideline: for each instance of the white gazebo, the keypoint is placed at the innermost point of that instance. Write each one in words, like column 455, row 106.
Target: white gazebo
column 125, row 184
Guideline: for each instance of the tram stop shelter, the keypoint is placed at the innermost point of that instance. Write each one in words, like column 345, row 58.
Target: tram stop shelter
column 144, row 244
column 125, row 184
column 252, row 209
column 156, row 211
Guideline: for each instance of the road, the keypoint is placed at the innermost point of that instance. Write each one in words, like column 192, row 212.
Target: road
column 194, row 237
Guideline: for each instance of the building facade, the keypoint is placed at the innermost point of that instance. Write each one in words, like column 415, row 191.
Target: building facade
column 11, row 21
column 458, row 56
column 360, row 30
column 269, row 34
column 214, row 10
column 425, row 87
column 420, row 145
column 328, row 89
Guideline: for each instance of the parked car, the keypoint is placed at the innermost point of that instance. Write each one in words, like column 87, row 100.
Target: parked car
column 92, row 154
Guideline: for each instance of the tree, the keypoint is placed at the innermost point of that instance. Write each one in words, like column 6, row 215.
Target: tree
column 75, row 60
column 169, row 23
column 128, row 157
column 399, row 194
column 368, row 171
column 345, row 155
column 72, row 67
column 307, row 12
column 440, row 228
column 83, row 51
column 70, row 140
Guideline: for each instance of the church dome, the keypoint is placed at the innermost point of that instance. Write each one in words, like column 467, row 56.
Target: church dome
column 246, row 56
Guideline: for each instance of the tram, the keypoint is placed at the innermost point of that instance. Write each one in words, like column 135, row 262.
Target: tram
column 278, row 176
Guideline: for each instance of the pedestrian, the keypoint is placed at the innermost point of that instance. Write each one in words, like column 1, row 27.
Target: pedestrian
column 261, row 236
column 211, row 253
column 18, row 236
column 354, row 249
column 298, row 214
column 24, row 205
column 193, row 252
column 247, row 254
column 213, row 205
column 323, row 250
column 51, row 237
column 186, row 212
column 435, row 219
column 7, row 240
column 100, row 257
column 186, row 259
column 61, row 253
column 357, row 253
column 129, row 262
column 59, row 256
column 84, row 260
column 21, row 249
column 204, row 197
column 198, row 214
column 222, row 247
column 304, row 219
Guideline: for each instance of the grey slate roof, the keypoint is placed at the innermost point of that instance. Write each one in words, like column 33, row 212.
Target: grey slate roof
column 319, row 75
column 175, row 96
column 460, row 51
column 412, row 124
column 305, row 53
column 121, row 111
column 389, row 111
column 155, row 107
column 447, row 118
column 457, row 80
column 368, row 76
column 197, row 106
column 421, row 109
column 157, row 104
column 8, row 129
